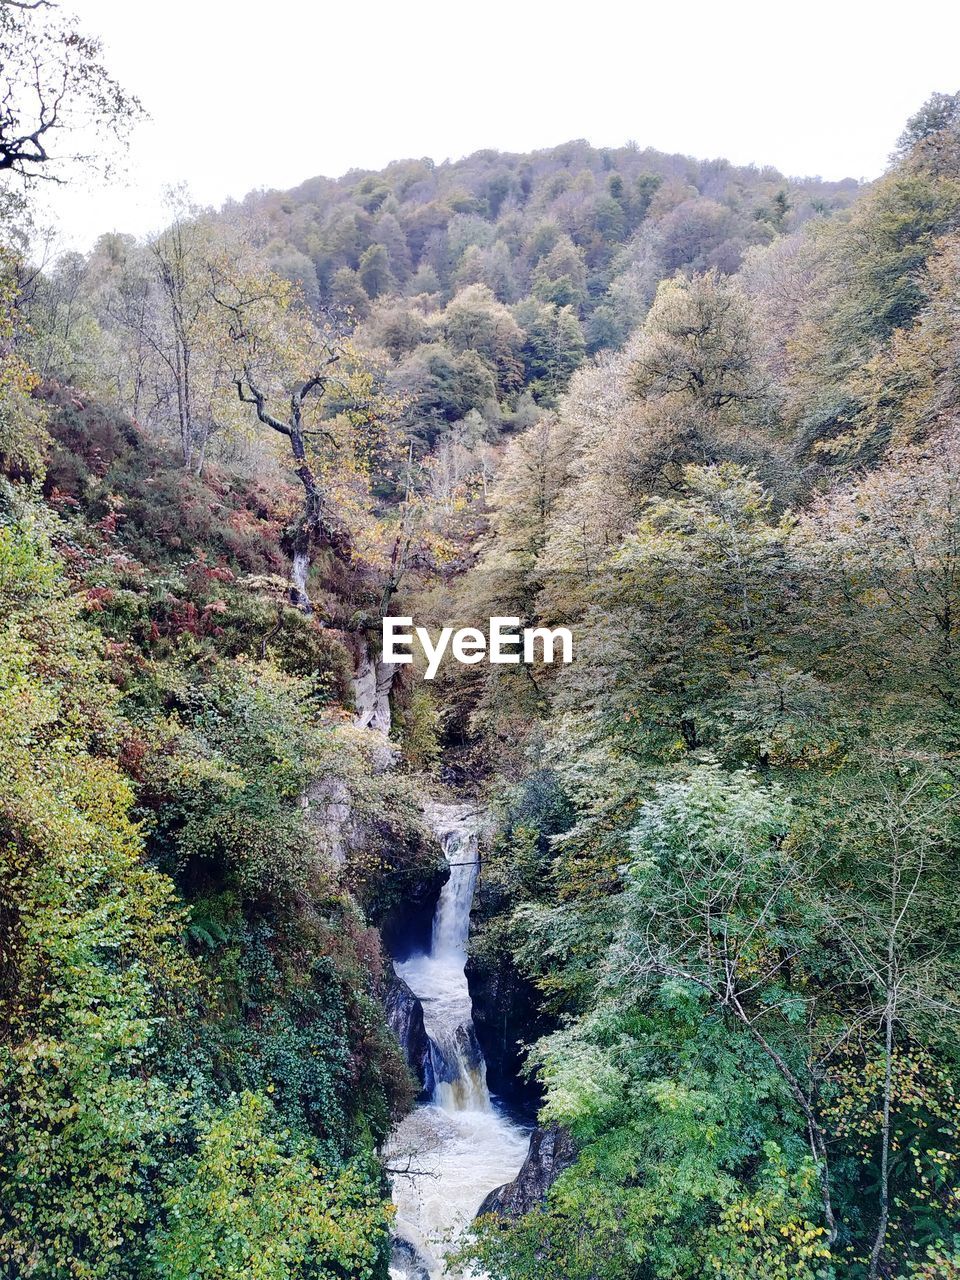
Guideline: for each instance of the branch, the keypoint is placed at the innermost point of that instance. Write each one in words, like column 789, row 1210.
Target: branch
column 315, row 381
column 321, row 431
column 258, row 400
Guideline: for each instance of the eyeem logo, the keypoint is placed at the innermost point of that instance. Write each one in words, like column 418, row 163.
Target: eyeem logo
column 504, row 644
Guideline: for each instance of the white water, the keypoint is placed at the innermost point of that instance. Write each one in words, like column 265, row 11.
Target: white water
column 299, row 575
column 460, row 1145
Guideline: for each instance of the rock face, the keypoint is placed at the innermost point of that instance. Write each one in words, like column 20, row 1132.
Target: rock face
column 407, row 928
column 327, row 807
column 506, row 1016
column 551, row 1152
column 299, row 573
column 405, row 1020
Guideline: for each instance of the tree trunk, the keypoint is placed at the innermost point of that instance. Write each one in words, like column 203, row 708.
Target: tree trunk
column 884, row 1219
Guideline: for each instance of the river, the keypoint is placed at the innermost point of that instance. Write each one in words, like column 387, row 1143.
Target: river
column 461, row 1144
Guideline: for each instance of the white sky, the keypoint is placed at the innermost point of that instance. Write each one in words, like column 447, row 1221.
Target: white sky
column 267, row 94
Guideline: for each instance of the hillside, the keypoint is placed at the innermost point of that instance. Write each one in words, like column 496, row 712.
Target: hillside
column 578, row 226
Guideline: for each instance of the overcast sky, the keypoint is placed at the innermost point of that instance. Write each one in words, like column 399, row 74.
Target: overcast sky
column 245, row 94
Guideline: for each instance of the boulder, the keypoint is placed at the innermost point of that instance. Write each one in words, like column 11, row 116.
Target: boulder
column 551, row 1151
column 406, row 1261
column 405, row 1020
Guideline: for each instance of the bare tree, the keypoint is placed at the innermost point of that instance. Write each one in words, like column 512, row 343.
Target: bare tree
column 161, row 298
column 183, row 298
column 305, row 367
column 53, row 84
column 126, row 307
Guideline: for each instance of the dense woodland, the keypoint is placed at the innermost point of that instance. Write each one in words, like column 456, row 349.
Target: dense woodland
column 705, row 416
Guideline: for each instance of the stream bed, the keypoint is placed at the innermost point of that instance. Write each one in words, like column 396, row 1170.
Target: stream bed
column 461, row 1144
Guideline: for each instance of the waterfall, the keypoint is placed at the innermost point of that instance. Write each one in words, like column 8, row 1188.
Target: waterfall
column 451, row 924
column 459, row 1145
column 371, row 692
column 299, row 574
column 439, row 979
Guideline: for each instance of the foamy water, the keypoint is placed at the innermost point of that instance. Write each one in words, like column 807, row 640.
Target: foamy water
column 461, row 1145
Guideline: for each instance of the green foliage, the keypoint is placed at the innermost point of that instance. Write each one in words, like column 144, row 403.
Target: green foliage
column 475, row 321
column 693, row 597
column 374, row 271
column 720, row 902
column 93, row 974
column 767, row 1233
column 232, row 756
column 114, row 1037
column 743, row 935
column 553, row 345
column 420, row 727
column 23, row 437
column 699, row 345
column 253, row 1203
column 887, row 245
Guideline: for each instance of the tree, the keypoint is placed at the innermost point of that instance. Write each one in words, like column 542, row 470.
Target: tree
column 715, row 900
column 127, row 299
column 492, row 266
column 23, row 439
column 53, row 85
column 891, row 909
column 475, row 321
column 93, row 973
column 886, row 553
column 693, row 234
column 374, row 271
column 159, row 306
column 683, row 643
column 873, row 280
column 559, row 277
column 440, row 387
column 389, row 233
column 780, row 208
column 348, row 293
column 931, row 138
column 314, row 353
column 251, row 1193
column 553, row 346
column 305, row 382
column 698, row 345
column 184, row 312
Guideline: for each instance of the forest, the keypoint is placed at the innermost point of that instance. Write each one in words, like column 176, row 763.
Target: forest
column 707, row 418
